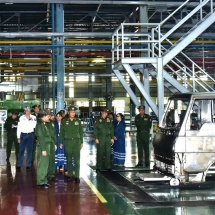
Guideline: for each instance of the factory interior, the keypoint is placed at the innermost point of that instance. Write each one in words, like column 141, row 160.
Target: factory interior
column 119, row 55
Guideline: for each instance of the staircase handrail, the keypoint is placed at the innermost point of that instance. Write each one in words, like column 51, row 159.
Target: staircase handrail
column 191, row 74
column 182, row 21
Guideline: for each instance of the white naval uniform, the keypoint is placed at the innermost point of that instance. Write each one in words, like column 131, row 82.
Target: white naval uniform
column 26, row 125
column 25, row 131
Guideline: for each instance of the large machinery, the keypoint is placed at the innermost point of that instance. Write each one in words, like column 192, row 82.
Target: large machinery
column 184, row 145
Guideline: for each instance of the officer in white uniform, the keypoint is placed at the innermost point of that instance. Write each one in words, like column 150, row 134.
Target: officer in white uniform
column 25, row 135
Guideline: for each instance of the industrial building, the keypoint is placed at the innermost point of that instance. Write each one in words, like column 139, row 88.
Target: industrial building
column 115, row 54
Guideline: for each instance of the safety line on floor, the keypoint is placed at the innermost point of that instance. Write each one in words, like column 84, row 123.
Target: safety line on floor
column 93, row 188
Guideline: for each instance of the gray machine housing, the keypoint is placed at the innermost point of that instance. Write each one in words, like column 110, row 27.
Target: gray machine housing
column 184, row 144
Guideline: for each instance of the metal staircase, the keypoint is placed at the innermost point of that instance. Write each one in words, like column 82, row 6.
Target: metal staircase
column 165, row 56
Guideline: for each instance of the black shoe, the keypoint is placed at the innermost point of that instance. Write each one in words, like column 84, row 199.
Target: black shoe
column 139, row 165
column 77, row 180
column 43, row 186
column 18, row 168
column 69, row 179
column 49, row 185
column 28, row 168
column 53, row 178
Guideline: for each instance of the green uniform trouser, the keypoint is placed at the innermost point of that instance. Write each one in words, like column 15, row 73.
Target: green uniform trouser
column 103, row 151
column 34, row 149
column 72, row 150
column 51, row 169
column 42, row 167
column 143, row 144
column 12, row 137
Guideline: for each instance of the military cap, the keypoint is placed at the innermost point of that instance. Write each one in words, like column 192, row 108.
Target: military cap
column 48, row 110
column 43, row 112
column 36, row 106
column 15, row 113
column 62, row 111
column 72, row 108
column 141, row 107
column 105, row 110
column 27, row 108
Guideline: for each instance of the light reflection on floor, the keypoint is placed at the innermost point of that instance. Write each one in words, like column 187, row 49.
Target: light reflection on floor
column 161, row 192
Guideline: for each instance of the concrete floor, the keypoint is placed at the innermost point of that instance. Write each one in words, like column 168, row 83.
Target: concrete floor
column 120, row 192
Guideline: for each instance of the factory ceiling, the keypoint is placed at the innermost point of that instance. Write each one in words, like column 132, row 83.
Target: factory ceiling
column 26, row 31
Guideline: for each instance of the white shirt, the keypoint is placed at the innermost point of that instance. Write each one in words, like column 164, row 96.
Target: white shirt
column 26, row 125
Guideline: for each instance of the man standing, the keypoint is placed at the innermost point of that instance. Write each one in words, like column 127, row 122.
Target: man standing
column 25, row 136
column 43, row 149
column 71, row 135
column 143, row 123
column 11, row 127
column 104, row 134
column 53, row 147
column 36, row 109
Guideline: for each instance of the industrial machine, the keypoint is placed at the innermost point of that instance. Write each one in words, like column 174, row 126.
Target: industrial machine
column 184, row 144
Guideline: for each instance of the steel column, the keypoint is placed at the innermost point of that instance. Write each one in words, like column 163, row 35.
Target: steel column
column 53, row 61
column 108, row 84
column 60, row 57
column 90, row 95
column 141, row 88
column 144, row 19
column 126, row 86
column 160, row 88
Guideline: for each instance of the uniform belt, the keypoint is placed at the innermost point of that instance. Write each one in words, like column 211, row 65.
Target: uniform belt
column 28, row 132
column 73, row 139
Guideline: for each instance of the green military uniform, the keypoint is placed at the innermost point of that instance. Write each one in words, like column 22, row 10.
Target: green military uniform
column 71, row 135
column 35, row 139
column 143, row 125
column 51, row 127
column 44, row 140
column 11, row 135
column 104, row 132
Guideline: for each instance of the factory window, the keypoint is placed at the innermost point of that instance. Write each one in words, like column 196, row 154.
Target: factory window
column 82, row 78
column 71, row 89
column 83, row 103
column 119, row 106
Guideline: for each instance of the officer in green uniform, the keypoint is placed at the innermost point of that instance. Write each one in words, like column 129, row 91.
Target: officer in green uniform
column 104, row 134
column 143, row 123
column 71, row 135
column 11, row 127
column 53, row 147
column 44, row 140
column 36, row 109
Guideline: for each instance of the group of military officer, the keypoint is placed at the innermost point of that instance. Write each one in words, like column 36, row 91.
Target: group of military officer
column 71, row 136
column 104, row 137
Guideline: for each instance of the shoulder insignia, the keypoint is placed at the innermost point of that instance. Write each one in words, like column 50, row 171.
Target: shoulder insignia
column 100, row 120
column 76, row 123
column 108, row 120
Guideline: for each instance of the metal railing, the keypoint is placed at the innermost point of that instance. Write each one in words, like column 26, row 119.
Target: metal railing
column 129, row 42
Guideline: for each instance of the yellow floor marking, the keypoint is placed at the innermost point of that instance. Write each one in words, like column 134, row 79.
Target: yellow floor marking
column 93, row 188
